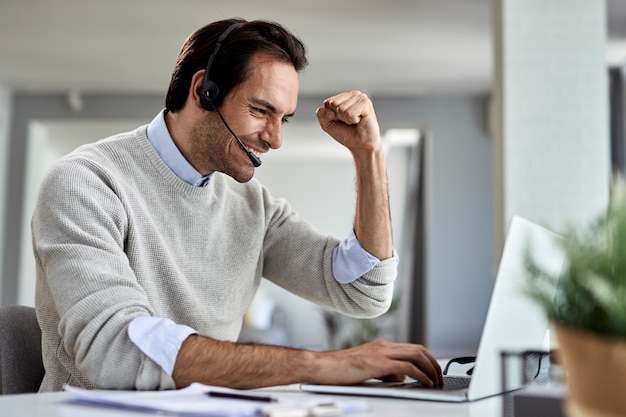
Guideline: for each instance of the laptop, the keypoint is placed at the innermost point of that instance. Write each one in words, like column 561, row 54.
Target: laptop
column 514, row 323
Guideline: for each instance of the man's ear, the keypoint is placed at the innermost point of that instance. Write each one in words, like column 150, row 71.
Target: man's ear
column 195, row 89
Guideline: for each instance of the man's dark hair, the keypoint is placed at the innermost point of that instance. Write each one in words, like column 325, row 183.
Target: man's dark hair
column 232, row 65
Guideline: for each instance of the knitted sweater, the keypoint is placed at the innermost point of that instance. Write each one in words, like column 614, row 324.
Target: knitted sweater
column 117, row 235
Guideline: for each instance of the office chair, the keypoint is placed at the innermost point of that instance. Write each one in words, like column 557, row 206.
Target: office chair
column 21, row 366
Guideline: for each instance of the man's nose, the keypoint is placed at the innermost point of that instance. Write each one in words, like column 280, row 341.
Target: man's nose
column 273, row 133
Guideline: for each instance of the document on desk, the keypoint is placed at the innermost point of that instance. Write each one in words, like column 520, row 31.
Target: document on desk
column 199, row 400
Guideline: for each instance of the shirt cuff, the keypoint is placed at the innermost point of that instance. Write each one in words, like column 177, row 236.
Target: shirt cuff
column 351, row 260
column 160, row 339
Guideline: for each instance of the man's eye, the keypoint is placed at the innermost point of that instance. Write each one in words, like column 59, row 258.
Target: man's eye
column 260, row 111
column 284, row 120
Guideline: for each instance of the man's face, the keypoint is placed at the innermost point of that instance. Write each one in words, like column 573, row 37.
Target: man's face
column 256, row 111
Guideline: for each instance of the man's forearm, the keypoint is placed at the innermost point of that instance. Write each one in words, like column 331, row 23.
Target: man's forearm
column 254, row 366
column 372, row 223
column 240, row 366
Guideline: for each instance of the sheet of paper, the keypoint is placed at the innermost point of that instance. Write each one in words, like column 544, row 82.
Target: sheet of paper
column 194, row 400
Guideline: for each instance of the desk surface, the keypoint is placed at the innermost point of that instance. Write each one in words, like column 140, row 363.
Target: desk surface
column 53, row 405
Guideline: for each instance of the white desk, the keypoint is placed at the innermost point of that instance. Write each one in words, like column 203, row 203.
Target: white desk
column 52, row 405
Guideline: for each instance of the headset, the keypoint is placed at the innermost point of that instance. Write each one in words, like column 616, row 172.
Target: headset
column 210, row 92
column 210, row 89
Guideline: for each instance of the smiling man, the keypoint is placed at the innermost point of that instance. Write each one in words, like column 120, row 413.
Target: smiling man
column 151, row 244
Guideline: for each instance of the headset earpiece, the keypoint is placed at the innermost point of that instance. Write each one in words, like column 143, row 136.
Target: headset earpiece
column 209, row 94
column 210, row 90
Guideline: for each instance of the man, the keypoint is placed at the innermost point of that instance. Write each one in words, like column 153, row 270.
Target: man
column 151, row 244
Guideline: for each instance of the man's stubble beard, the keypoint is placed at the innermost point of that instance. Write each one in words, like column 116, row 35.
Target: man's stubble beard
column 209, row 148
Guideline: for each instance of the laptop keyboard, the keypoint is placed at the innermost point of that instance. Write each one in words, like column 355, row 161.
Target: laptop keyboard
column 450, row 383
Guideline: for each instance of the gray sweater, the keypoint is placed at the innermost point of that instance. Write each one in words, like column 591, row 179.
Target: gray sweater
column 117, row 235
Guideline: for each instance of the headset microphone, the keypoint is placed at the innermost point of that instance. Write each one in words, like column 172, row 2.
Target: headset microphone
column 210, row 93
column 253, row 158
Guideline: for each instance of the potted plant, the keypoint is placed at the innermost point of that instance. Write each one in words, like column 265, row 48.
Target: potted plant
column 588, row 312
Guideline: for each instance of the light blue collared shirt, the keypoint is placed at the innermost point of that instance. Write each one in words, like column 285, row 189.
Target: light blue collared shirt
column 160, row 339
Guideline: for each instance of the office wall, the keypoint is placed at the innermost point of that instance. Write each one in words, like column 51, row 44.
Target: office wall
column 551, row 80
column 460, row 262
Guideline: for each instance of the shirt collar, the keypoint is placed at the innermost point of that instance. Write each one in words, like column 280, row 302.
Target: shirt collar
column 160, row 138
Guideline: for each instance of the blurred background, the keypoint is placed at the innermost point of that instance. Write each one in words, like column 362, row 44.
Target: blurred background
column 489, row 108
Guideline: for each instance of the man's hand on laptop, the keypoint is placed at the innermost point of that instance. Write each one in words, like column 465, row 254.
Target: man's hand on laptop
column 382, row 360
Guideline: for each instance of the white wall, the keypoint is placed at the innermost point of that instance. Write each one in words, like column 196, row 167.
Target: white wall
column 552, row 158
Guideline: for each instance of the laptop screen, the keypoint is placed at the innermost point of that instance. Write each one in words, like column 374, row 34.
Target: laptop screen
column 514, row 322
